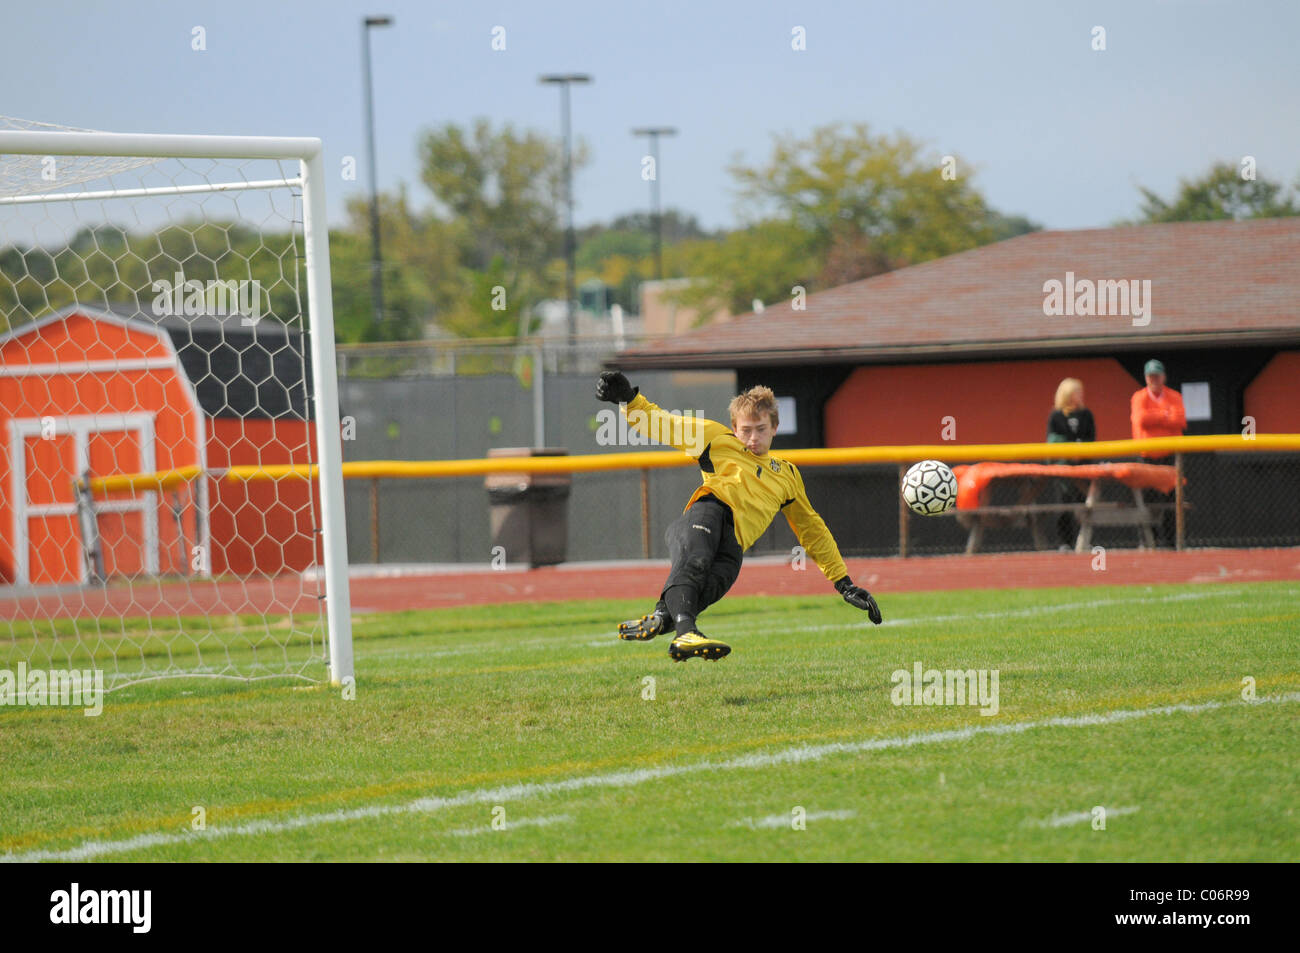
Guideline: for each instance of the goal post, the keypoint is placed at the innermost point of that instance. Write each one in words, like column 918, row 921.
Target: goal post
column 329, row 440
column 92, row 225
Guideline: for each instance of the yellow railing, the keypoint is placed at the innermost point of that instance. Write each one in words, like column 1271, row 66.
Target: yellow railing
column 657, row 459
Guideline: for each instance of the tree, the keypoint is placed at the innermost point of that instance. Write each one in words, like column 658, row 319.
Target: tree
column 838, row 185
column 764, row 261
column 599, row 245
column 421, row 270
column 502, row 192
column 838, row 206
column 677, row 225
column 1009, row 226
column 490, row 302
column 621, row 253
column 1221, row 193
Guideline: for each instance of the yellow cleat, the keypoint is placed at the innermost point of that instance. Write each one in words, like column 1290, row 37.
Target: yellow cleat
column 645, row 628
column 695, row 645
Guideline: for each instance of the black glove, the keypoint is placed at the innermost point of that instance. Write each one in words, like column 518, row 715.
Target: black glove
column 614, row 387
column 859, row 598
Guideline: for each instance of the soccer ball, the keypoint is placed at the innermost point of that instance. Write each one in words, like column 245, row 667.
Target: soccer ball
column 929, row 488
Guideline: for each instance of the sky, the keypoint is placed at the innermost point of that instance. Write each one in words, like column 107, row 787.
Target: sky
column 1047, row 126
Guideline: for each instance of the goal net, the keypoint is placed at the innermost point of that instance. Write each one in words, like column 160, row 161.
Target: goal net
column 170, row 485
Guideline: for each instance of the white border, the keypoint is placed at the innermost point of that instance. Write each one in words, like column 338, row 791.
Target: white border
column 86, row 367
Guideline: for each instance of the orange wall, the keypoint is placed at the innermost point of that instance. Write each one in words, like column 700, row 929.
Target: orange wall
column 1273, row 397
column 992, row 401
column 265, row 526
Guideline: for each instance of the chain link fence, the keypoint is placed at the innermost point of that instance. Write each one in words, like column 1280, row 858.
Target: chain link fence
column 1231, row 500
column 429, row 402
column 469, row 357
column 433, row 402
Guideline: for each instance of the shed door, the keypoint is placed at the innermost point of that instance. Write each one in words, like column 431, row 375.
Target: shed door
column 48, row 455
column 45, row 510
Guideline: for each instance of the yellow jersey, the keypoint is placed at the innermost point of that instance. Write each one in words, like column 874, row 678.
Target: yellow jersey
column 755, row 487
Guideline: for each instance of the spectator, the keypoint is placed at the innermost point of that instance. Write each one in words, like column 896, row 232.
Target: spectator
column 1070, row 422
column 1157, row 411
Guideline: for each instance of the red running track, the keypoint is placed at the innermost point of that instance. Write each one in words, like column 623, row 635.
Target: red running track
column 760, row 576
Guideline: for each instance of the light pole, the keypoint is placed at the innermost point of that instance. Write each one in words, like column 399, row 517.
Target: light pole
column 564, row 80
column 376, row 257
column 654, row 132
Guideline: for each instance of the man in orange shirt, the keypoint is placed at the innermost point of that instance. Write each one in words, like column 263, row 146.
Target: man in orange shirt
column 1157, row 411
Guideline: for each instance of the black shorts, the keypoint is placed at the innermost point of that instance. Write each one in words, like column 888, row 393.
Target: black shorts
column 705, row 552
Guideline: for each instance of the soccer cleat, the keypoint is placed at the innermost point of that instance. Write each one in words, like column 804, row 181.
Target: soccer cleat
column 646, row 628
column 695, row 645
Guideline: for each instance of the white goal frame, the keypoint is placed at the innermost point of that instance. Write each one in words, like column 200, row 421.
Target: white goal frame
column 320, row 307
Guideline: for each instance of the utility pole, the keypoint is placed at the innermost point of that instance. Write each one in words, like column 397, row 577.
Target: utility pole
column 656, row 211
column 376, row 255
column 564, row 81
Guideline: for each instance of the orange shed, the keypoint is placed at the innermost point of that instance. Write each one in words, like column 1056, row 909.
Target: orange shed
column 118, row 391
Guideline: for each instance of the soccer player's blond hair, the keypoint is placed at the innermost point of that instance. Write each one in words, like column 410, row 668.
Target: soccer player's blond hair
column 754, row 402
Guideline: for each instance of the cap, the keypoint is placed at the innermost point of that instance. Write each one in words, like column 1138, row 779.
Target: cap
column 1153, row 367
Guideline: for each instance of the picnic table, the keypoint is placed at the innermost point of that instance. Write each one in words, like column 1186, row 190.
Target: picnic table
column 975, row 484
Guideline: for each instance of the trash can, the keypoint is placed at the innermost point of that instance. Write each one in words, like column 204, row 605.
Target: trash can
column 529, row 512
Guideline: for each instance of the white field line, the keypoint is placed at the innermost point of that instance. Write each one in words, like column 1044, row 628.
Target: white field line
column 603, row 640
column 800, row 754
column 722, row 627
column 512, row 824
column 1080, row 817
column 786, row 821
column 1013, row 613
column 610, row 637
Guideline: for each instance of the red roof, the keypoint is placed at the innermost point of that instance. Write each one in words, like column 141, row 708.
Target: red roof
column 1211, row 283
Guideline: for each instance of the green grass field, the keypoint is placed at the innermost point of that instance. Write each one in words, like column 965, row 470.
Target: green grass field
column 536, row 716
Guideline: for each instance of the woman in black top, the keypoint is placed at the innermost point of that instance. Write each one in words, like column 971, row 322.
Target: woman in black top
column 1070, row 422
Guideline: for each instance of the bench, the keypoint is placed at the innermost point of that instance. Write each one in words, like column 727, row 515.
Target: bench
column 1089, row 513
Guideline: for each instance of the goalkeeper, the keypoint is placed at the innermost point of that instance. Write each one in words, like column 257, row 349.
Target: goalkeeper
column 743, row 489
